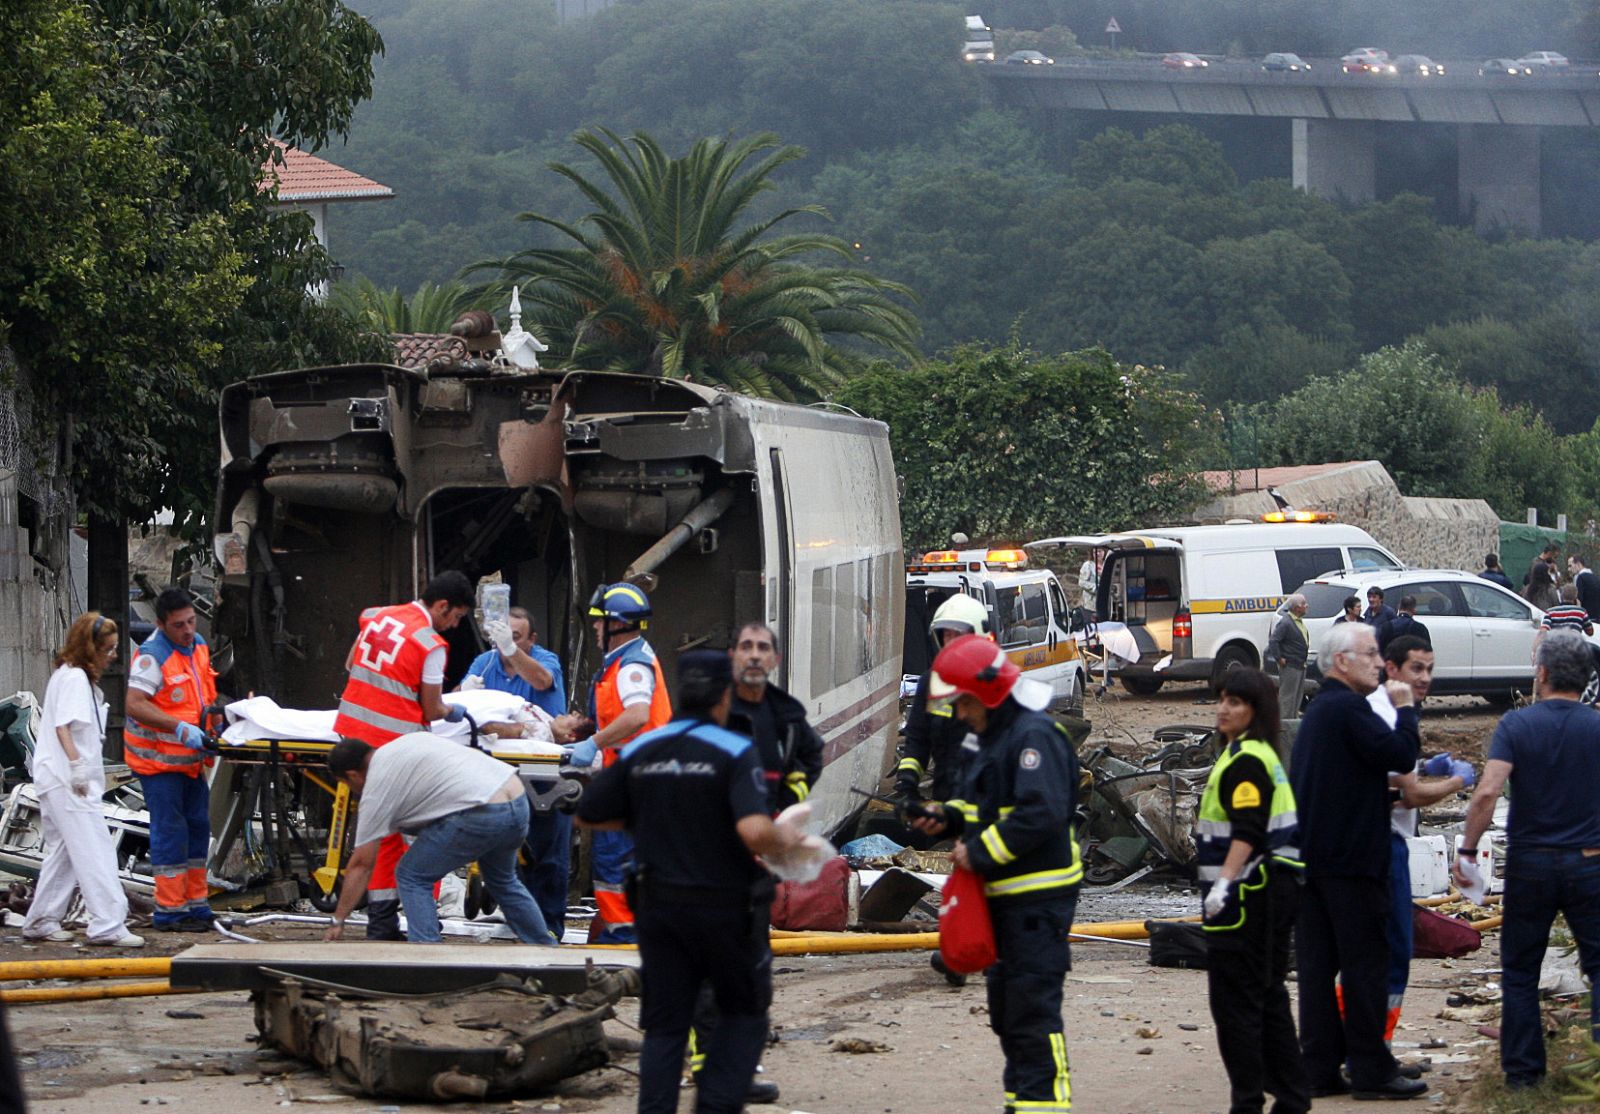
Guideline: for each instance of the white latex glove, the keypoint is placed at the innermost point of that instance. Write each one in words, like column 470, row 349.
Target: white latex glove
column 78, row 771
column 1218, row 897
column 471, row 683
column 1470, row 879
column 500, row 634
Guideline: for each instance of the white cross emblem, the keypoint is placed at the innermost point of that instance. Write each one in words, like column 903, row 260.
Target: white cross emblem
column 386, row 632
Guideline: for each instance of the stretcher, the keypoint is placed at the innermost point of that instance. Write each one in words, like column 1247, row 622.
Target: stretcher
column 286, row 819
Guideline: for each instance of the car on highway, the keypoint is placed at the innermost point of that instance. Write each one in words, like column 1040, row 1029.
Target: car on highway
column 1503, row 67
column 1538, row 60
column 1183, row 60
column 1482, row 634
column 1285, row 63
column 1028, row 58
column 1367, row 59
column 1418, row 65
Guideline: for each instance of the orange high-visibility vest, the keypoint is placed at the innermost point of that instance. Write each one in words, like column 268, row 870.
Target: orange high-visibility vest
column 188, row 685
column 383, row 698
column 607, row 704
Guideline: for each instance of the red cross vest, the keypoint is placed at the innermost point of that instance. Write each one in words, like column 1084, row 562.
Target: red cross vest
column 383, row 698
column 188, row 685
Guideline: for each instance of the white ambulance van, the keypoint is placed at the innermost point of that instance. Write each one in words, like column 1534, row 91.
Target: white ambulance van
column 1201, row 600
column 1028, row 613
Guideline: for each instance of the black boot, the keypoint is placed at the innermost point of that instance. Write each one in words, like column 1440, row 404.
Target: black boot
column 383, row 920
column 937, row 962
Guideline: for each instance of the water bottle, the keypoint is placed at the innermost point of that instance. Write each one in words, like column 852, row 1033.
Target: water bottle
column 494, row 603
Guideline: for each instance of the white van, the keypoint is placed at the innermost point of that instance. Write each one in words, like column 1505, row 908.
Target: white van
column 1200, row 600
column 1028, row 613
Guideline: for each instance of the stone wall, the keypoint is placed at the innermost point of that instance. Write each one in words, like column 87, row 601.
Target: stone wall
column 1422, row 532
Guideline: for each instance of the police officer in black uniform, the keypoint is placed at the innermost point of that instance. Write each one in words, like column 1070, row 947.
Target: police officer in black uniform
column 1013, row 822
column 694, row 796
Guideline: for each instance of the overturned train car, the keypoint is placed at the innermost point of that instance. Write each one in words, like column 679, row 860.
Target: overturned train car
column 346, row 487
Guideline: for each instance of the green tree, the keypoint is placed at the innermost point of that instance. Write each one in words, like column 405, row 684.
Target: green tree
column 1004, row 444
column 664, row 280
column 430, row 309
column 1173, row 154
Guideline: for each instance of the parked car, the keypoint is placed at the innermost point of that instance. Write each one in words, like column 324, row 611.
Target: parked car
column 1482, row 633
column 1028, row 58
column 1537, row 60
column 1503, row 67
column 1183, row 60
column 1285, row 63
column 1367, row 59
column 1419, row 65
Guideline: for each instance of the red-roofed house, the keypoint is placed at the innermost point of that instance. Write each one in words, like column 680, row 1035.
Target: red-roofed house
column 311, row 184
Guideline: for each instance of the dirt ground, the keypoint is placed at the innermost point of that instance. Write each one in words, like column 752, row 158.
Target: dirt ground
column 1140, row 1038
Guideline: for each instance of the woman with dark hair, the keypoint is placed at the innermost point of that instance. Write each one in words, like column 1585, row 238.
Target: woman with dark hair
column 70, row 778
column 1245, row 839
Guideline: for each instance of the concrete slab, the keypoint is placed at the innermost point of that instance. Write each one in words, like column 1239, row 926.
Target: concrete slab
column 1130, row 96
column 1301, row 103
column 1540, row 107
column 1355, row 103
column 403, row 968
column 1453, row 106
column 1215, row 100
column 1591, row 105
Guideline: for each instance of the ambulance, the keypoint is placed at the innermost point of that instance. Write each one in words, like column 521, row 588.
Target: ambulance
column 1028, row 615
column 1200, row 600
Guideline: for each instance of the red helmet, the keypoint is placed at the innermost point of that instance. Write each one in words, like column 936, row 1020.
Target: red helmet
column 973, row 665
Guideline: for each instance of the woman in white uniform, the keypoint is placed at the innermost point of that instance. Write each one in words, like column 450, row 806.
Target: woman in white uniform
column 70, row 778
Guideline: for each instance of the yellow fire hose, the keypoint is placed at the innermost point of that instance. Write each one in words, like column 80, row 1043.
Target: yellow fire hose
column 89, row 993
column 152, row 967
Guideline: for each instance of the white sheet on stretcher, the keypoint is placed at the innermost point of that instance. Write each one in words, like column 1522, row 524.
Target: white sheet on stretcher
column 261, row 717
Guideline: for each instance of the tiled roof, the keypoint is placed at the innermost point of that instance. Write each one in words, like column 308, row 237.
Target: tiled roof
column 1259, row 479
column 304, row 177
column 418, row 350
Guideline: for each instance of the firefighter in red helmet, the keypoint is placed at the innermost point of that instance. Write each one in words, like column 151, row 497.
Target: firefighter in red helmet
column 1012, row 821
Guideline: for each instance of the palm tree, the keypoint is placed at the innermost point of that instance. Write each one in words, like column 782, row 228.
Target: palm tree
column 660, row 280
column 431, row 309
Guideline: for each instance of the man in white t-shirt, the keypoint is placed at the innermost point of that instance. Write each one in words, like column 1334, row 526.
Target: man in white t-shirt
column 459, row 806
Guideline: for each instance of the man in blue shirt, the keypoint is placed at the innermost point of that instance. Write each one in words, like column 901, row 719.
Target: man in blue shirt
column 1550, row 753
column 519, row 665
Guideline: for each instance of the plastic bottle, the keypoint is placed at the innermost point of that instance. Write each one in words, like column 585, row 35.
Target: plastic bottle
column 494, row 603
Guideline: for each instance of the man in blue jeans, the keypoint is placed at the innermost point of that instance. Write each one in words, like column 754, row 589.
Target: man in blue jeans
column 1550, row 753
column 459, row 805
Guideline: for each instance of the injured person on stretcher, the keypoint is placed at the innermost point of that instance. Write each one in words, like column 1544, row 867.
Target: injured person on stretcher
column 504, row 723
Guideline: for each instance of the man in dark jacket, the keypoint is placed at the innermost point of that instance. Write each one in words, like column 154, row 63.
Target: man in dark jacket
column 1587, row 584
column 1340, row 769
column 1404, row 623
column 1287, row 648
column 1492, row 571
column 1377, row 612
column 790, row 748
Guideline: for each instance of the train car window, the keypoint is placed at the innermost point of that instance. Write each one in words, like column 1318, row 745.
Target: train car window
column 821, row 630
column 846, row 623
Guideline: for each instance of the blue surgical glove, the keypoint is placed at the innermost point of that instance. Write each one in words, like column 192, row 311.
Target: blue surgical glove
column 191, row 736
column 583, row 754
column 1440, row 765
column 454, row 713
column 1464, row 771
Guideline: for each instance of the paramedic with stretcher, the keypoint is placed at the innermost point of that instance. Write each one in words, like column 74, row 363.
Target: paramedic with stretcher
column 1013, row 824
column 629, row 697
column 396, row 668
column 170, row 685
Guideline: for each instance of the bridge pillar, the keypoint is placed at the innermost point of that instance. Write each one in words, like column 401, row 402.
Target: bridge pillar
column 1498, row 176
column 1336, row 158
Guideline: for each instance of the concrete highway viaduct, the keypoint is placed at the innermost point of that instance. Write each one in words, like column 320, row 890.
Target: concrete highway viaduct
column 1334, row 117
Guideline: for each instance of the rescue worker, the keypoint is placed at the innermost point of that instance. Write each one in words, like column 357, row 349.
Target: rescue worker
column 1245, row 843
column 170, row 685
column 1013, row 824
column 629, row 697
column 519, row 665
column 693, row 794
column 396, row 667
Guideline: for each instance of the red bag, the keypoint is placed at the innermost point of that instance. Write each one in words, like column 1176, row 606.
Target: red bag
column 966, row 935
column 821, row 905
column 1435, row 936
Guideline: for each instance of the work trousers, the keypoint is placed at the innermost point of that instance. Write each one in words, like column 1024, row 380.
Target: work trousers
column 1401, row 928
column 1291, row 688
column 490, row 835
column 682, row 945
column 78, row 853
column 611, row 860
column 1541, row 882
column 180, row 838
column 1342, row 935
column 549, row 866
column 1025, row 987
column 383, row 892
column 1245, row 972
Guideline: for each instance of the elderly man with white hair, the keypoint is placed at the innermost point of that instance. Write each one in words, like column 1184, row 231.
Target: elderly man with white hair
column 1287, row 649
column 1340, row 768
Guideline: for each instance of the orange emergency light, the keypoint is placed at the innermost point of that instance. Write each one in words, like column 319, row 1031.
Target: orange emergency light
column 1299, row 516
column 1007, row 559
